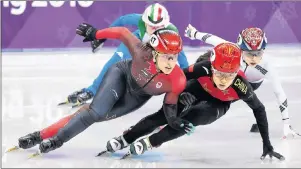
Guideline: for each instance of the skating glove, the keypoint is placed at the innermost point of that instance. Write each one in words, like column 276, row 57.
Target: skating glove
column 78, row 98
column 87, row 31
column 269, row 150
column 288, row 130
column 182, row 125
column 86, row 95
column 72, row 98
column 97, row 43
column 190, row 32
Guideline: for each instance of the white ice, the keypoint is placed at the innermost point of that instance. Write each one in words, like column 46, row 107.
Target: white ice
column 33, row 83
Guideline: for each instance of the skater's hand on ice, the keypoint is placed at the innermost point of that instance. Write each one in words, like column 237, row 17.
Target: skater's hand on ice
column 97, row 43
column 190, row 32
column 187, row 99
column 288, row 130
column 184, row 125
column 269, row 150
column 87, row 31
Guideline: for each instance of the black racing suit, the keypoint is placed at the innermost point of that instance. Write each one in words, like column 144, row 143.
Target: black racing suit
column 211, row 104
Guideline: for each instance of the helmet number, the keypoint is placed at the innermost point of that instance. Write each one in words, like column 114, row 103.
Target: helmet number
column 154, row 41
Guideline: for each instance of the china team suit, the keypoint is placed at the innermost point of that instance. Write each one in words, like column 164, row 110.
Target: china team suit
column 211, row 104
column 255, row 75
column 126, row 86
column 123, row 52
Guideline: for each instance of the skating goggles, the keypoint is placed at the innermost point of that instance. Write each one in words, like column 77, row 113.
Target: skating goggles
column 168, row 57
column 257, row 53
column 156, row 27
column 222, row 75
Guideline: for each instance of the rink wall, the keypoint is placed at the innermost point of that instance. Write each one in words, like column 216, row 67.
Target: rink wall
column 41, row 24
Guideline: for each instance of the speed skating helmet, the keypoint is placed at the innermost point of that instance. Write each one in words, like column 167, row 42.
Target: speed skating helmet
column 156, row 15
column 166, row 41
column 226, row 58
column 252, row 39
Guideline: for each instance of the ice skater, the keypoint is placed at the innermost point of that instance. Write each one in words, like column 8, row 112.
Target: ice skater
column 252, row 41
column 153, row 18
column 211, row 88
column 126, row 87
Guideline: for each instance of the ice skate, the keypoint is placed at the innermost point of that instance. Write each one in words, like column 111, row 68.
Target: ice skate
column 114, row 145
column 139, row 147
column 28, row 141
column 47, row 146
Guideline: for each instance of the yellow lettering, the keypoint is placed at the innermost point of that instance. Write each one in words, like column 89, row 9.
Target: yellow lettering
column 241, row 86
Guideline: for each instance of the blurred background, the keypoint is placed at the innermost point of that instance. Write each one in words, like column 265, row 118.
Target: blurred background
column 40, row 25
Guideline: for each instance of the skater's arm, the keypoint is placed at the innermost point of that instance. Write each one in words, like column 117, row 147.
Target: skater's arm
column 192, row 33
column 123, row 34
column 209, row 38
column 247, row 94
column 182, row 60
column 197, row 70
column 127, row 20
column 178, row 84
column 272, row 76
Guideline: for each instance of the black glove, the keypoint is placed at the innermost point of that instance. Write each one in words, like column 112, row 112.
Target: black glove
column 87, row 31
column 83, row 97
column 96, row 43
column 181, row 124
column 187, row 99
column 269, row 150
column 72, row 98
column 80, row 96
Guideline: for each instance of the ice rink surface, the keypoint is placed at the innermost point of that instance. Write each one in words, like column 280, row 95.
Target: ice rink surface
column 33, row 83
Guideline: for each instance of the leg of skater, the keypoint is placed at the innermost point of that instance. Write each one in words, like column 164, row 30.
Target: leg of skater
column 111, row 89
column 81, row 96
column 199, row 114
column 32, row 139
column 142, row 128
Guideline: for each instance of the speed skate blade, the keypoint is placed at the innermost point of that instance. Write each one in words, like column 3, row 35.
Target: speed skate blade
column 128, row 154
column 77, row 105
column 63, row 103
column 101, row 153
column 12, row 149
column 38, row 153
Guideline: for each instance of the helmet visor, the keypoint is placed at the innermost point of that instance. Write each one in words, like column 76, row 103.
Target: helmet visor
column 257, row 53
column 168, row 57
column 222, row 75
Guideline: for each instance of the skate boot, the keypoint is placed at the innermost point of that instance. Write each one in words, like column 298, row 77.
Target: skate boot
column 140, row 146
column 115, row 144
column 50, row 145
column 254, row 128
column 30, row 140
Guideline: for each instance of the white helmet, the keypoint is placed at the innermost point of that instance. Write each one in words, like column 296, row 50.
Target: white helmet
column 156, row 15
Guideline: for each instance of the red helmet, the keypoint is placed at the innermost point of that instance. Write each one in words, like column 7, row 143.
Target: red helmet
column 226, row 57
column 166, row 41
